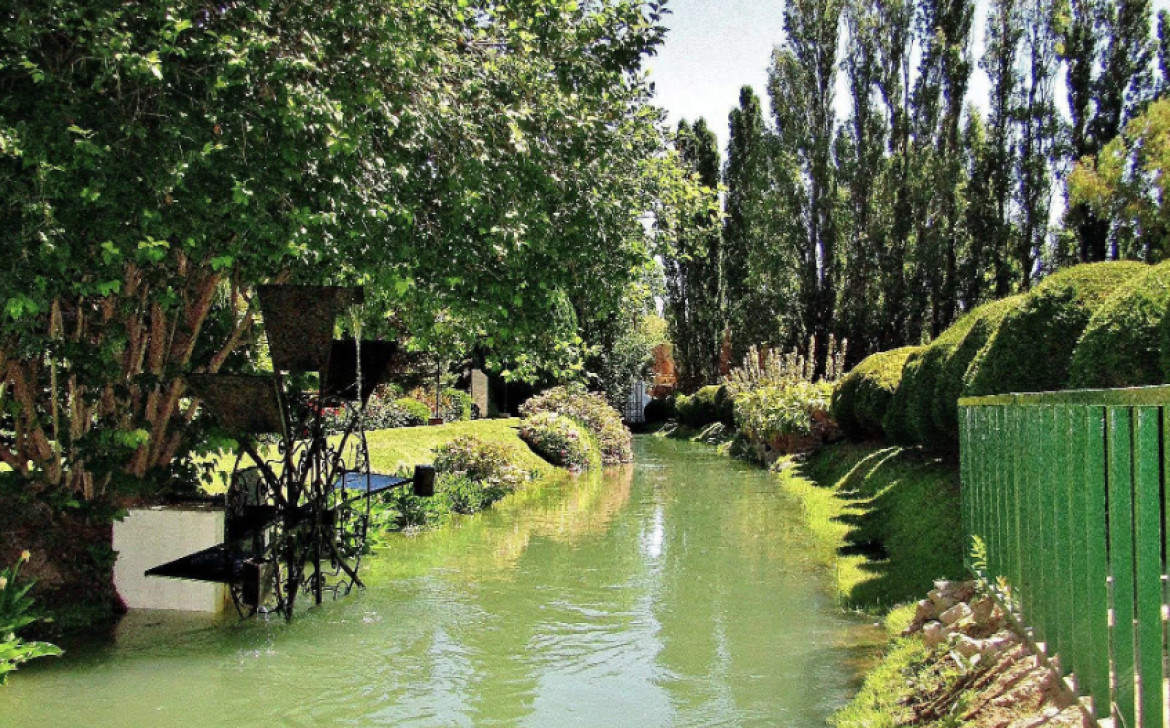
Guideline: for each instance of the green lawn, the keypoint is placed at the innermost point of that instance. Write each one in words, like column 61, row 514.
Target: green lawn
column 410, row 446
column 405, row 447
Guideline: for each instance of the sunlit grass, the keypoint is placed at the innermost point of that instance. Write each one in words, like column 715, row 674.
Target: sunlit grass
column 887, row 520
column 402, row 448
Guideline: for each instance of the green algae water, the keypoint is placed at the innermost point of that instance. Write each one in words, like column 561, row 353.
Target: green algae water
column 680, row 591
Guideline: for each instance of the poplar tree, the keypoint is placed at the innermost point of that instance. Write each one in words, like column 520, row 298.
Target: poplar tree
column 1038, row 130
column 994, row 159
column 860, row 161
column 939, row 98
column 692, row 268
column 801, row 84
column 750, row 318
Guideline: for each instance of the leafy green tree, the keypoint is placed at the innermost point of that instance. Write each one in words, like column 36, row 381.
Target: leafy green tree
column 801, row 83
column 1126, row 185
column 692, row 265
column 1107, row 49
column 158, row 159
column 748, row 309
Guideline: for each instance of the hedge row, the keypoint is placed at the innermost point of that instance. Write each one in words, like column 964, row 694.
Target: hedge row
column 1095, row 325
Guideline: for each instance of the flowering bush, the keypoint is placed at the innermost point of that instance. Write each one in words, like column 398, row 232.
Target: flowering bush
column 559, row 440
column 481, row 461
column 594, row 413
column 15, row 614
column 785, row 418
column 455, row 405
column 381, row 413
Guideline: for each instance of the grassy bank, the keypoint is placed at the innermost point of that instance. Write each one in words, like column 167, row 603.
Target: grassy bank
column 886, row 518
column 410, row 446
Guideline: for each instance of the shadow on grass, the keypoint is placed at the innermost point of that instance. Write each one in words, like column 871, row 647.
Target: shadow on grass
column 901, row 510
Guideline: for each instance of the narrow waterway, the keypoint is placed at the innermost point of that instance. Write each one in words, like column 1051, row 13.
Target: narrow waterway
column 681, row 591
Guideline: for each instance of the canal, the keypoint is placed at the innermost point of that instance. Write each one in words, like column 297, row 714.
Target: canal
column 680, row 591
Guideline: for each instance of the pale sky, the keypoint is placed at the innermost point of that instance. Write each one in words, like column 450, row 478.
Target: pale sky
column 716, row 46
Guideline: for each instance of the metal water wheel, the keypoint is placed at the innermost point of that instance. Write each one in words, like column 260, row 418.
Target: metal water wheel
column 297, row 510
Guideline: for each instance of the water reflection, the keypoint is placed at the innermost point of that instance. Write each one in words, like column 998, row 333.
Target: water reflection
column 679, row 591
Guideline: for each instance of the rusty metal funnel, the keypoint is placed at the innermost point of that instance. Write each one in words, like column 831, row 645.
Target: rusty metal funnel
column 299, row 321
column 339, row 375
column 242, row 403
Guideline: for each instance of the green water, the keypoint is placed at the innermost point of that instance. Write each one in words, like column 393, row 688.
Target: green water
column 680, row 591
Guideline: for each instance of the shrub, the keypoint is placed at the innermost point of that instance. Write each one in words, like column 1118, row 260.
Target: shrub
column 1033, row 347
column 1123, row 343
column 559, row 440
column 773, row 415
column 862, row 396
column 480, row 461
column 699, row 409
column 896, row 422
column 15, row 614
column 414, row 413
column 593, row 412
column 381, row 413
column 455, row 405
column 725, row 405
column 932, row 412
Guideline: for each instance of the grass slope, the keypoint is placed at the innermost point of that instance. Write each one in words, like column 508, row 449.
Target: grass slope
column 887, row 519
column 410, row 446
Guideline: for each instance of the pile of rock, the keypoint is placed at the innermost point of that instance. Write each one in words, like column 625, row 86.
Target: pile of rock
column 954, row 612
column 1002, row 683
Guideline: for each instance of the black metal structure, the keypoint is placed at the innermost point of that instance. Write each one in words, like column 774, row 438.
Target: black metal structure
column 298, row 502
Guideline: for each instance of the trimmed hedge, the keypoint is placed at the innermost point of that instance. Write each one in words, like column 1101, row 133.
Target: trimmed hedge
column 698, row 410
column 934, row 403
column 896, row 421
column 1125, row 342
column 1032, row 349
column 861, row 398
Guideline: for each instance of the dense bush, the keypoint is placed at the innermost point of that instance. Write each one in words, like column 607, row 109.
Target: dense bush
column 471, row 475
column 932, row 409
column 896, row 422
column 593, row 412
column 481, row 461
column 862, row 396
column 1033, row 347
column 15, row 614
column 1123, row 343
column 455, row 405
column 382, row 413
column 560, row 440
column 699, row 409
column 782, row 416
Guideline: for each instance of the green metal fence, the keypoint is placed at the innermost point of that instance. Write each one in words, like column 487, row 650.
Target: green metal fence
column 1068, row 490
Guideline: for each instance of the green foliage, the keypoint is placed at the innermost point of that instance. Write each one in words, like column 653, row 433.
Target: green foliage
column 472, row 473
column 769, row 413
column 603, row 422
column 560, row 440
column 933, row 406
column 481, row 461
column 455, row 405
column 896, row 422
column 861, row 397
column 16, row 612
column 699, row 409
column 411, row 412
column 1032, row 348
column 481, row 168
column 1122, row 344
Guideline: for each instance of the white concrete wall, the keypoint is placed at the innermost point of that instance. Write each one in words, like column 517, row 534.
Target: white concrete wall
column 148, row 537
